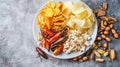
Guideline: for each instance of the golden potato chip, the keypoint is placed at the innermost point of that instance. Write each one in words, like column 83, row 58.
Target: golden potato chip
column 48, row 12
column 56, row 11
column 58, row 5
column 48, row 23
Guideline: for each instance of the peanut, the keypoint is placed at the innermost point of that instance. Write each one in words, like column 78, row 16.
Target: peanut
column 111, row 25
column 97, row 54
column 107, row 28
column 116, row 35
column 100, row 51
column 112, row 54
column 99, row 60
column 113, row 31
column 106, row 32
column 85, row 58
column 105, row 23
column 105, row 46
column 103, row 36
column 99, row 38
column 92, row 56
column 107, row 39
column 75, row 59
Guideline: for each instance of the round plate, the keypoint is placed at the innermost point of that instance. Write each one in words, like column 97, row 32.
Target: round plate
column 36, row 31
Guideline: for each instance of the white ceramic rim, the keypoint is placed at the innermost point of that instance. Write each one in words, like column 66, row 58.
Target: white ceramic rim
column 63, row 55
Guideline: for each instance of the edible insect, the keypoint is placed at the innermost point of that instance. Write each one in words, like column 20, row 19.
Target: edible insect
column 41, row 53
column 56, row 36
column 60, row 40
column 58, row 50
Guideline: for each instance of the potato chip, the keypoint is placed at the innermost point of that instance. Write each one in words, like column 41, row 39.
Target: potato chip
column 48, row 12
column 82, row 14
column 87, row 23
column 56, row 11
column 51, row 4
column 48, row 22
column 90, row 30
column 77, row 8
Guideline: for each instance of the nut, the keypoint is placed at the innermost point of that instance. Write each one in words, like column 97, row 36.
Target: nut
column 107, row 28
column 106, row 32
column 113, row 31
column 92, row 56
column 107, row 39
column 75, row 59
column 116, row 35
column 99, row 38
column 103, row 36
column 105, row 23
column 112, row 54
column 99, row 60
column 105, row 54
column 100, row 51
column 105, row 46
column 104, row 6
column 85, row 58
column 111, row 25
column 97, row 54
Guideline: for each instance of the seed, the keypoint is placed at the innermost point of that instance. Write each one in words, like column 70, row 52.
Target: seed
column 112, row 54
column 99, row 38
column 92, row 56
column 103, row 36
column 105, row 46
column 100, row 51
column 107, row 39
column 106, row 32
column 105, row 54
column 107, row 28
column 99, row 60
column 116, row 35
column 85, row 58
column 97, row 54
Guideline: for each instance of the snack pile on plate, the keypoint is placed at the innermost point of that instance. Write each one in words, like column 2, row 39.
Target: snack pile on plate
column 65, row 27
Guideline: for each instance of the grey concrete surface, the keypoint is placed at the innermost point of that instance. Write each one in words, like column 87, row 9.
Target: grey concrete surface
column 17, row 46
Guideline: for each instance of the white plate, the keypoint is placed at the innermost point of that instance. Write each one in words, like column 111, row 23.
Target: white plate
column 36, row 31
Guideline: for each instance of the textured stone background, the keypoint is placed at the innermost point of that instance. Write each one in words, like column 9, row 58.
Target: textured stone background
column 17, row 46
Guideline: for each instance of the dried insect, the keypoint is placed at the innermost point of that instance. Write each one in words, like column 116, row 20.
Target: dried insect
column 41, row 53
